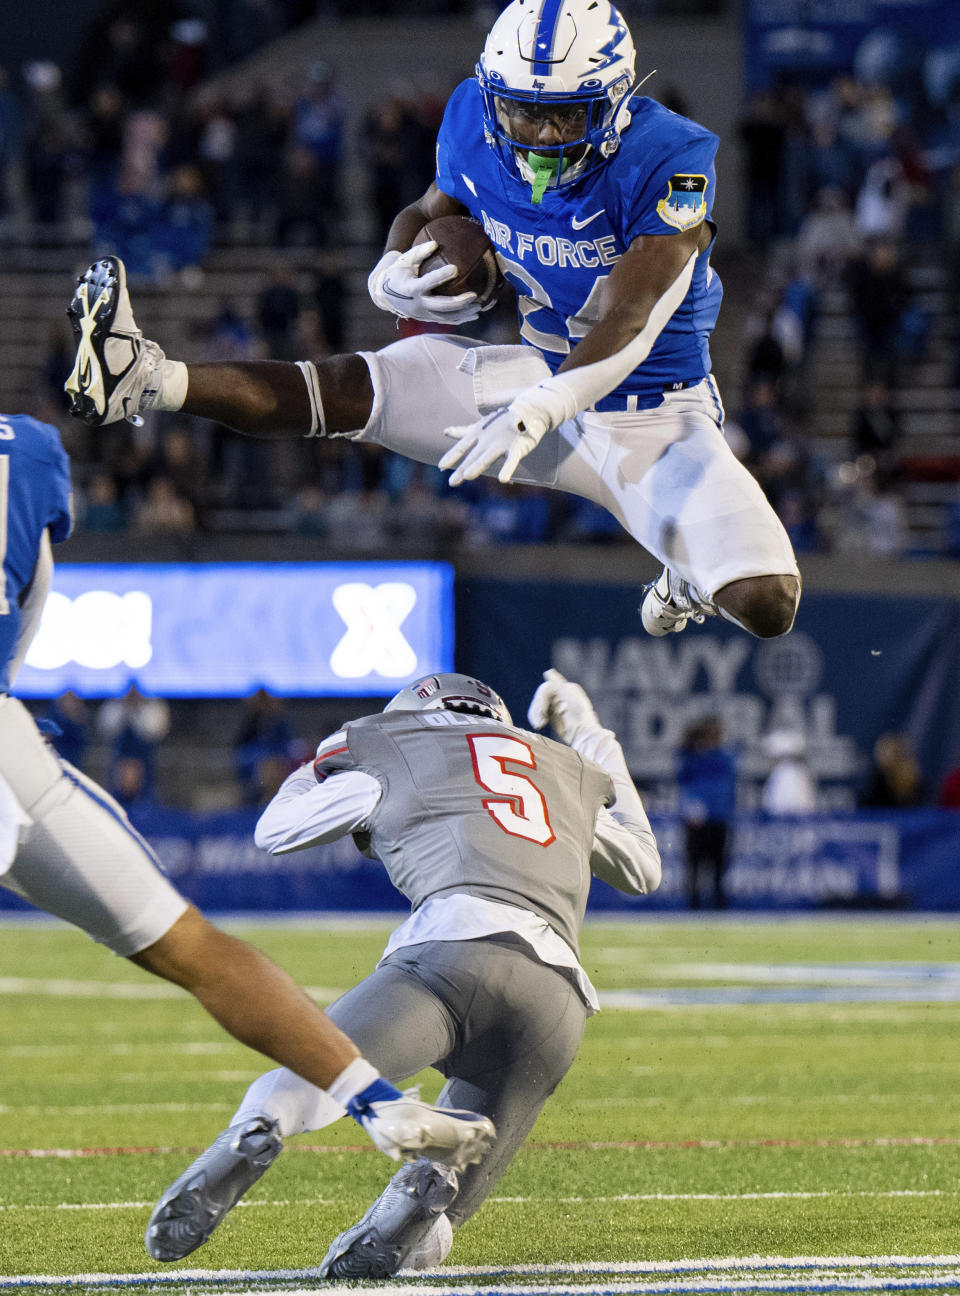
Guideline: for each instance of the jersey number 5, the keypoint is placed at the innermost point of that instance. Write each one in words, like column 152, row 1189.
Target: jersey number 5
column 520, row 809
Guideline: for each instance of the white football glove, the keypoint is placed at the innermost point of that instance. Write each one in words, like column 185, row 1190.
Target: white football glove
column 508, row 434
column 396, row 285
column 562, row 704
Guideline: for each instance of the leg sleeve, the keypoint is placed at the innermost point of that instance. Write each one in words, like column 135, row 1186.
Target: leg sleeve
column 521, row 1035
column 395, row 1022
column 80, row 859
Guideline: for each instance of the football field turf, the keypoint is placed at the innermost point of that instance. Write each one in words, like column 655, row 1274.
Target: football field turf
column 763, row 1106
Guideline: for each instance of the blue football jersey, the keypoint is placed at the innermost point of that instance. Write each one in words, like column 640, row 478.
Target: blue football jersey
column 34, row 495
column 558, row 253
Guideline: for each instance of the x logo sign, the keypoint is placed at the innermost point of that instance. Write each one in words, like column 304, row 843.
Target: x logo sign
column 373, row 643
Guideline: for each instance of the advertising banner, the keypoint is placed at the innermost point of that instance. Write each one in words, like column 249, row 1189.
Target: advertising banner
column 226, row 629
column 907, row 860
column 854, row 667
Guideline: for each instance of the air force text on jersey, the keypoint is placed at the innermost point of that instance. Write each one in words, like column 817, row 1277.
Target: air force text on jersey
column 549, row 250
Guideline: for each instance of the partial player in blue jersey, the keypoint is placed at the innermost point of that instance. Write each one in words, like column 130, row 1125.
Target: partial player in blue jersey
column 598, row 201
column 67, row 847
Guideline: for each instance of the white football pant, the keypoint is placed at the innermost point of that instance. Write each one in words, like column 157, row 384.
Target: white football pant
column 666, row 474
column 78, row 857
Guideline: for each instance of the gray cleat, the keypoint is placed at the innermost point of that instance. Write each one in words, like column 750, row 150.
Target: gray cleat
column 194, row 1204
column 406, row 1210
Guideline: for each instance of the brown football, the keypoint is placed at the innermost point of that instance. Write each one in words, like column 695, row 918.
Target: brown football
column 461, row 242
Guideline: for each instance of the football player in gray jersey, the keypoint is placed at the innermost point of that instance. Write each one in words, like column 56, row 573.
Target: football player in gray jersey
column 493, row 833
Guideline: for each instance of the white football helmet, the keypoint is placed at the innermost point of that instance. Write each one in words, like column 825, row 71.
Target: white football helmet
column 451, row 692
column 570, row 54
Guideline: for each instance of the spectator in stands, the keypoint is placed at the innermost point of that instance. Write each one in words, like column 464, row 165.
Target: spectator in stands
column 54, row 148
column 164, row 509
column 318, row 127
column 134, row 726
column 894, row 780
column 11, row 146
column 875, row 428
column 427, row 516
column 359, row 518
column 307, row 514
column 949, row 796
column 883, row 201
column 329, row 294
column 761, row 419
column 304, row 206
column 707, row 791
column 104, row 127
column 102, row 511
column 832, row 162
column 68, row 727
column 384, row 134
column 185, row 226
column 499, row 515
column 217, row 156
column 763, row 133
column 263, row 127
column 278, row 310
column 868, row 515
column 790, row 788
column 879, row 296
column 262, row 748
column 178, row 459
column 827, row 239
column 766, row 357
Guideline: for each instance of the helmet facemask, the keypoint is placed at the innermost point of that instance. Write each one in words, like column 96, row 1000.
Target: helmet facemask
column 561, row 65
column 451, row 692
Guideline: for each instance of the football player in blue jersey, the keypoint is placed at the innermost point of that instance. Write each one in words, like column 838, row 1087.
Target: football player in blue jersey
column 598, row 202
column 67, row 847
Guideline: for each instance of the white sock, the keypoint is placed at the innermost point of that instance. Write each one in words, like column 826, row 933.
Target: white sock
column 295, row 1104
column 352, row 1080
column 171, row 390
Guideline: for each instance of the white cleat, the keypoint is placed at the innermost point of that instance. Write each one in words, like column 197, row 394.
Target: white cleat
column 396, row 1227
column 116, row 366
column 670, row 602
column 406, row 1128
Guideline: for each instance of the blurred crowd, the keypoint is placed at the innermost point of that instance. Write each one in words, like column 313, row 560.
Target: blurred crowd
column 131, row 151
column 849, row 187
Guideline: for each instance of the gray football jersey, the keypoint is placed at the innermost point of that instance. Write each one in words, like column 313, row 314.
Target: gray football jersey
column 470, row 805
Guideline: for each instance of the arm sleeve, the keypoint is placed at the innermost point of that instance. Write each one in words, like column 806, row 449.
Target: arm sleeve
column 624, row 850
column 307, row 813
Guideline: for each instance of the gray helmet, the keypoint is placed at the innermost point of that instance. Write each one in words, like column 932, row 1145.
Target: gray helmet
column 451, row 692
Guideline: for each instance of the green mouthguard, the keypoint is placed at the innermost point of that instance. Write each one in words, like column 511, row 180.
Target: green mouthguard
column 544, row 169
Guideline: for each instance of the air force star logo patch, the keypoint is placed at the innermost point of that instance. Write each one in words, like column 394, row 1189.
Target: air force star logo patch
column 686, row 202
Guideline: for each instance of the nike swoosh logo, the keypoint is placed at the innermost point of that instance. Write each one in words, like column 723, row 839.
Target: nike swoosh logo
column 579, row 224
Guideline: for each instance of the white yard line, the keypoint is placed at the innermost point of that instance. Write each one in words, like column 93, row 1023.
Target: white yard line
column 644, row 1278
column 68, row 988
column 811, row 1195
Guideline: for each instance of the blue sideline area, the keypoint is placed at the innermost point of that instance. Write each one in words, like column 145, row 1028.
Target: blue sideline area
column 905, row 860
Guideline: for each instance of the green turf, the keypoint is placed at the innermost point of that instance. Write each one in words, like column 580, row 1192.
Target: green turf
column 817, row 1099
